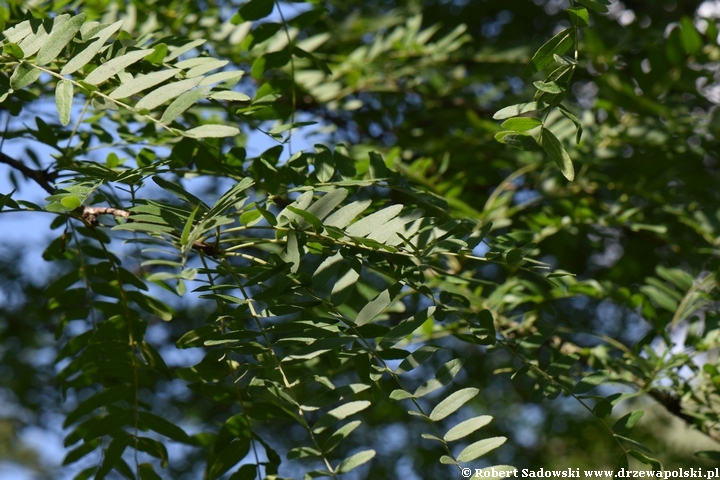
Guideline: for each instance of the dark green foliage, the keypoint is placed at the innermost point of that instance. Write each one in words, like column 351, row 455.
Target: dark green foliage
column 407, row 272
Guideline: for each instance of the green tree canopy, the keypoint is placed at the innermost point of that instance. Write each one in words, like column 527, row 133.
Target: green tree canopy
column 368, row 238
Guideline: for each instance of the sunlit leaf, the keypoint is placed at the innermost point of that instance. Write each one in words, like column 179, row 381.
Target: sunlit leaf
column 515, row 110
column 478, row 449
column 452, row 403
column 142, row 82
column 88, row 53
column 626, row 422
column 521, row 123
column 465, row 428
column 63, row 100
column 14, row 50
column 182, row 103
column 230, row 96
column 544, row 56
column 579, row 16
column 24, row 75
column 58, row 39
column 377, row 305
column 354, row 461
column 443, row 376
column 347, row 214
column 167, row 92
column 112, row 67
column 212, row 131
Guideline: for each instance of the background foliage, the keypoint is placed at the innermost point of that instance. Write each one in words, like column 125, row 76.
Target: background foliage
column 501, row 249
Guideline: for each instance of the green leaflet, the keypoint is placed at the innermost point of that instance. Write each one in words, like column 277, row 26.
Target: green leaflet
column 112, row 457
column 81, row 451
column 478, row 449
column 340, row 435
column 182, row 103
column 557, row 153
column 327, row 203
column 88, row 53
column 307, row 218
column 59, row 37
column 562, row 365
column 292, row 251
column 37, row 38
column 101, row 399
column 519, row 140
column 208, row 66
column 18, row 32
column 416, row 358
column 142, row 82
column 355, row 460
column 347, row 214
column 147, row 472
column 443, row 376
column 521, row 123
column 302, row 452
column 163, row 94
column 14, row 50
column 327, row 269
column 463, row 429
column 452, row 403
column 544, row 56
column 579, row 16
column 340, row 413
column 345, row 284
column 221, row 462
column 374, row 222
column 163, row 427
column 188, row 227
column 254, row 10
column 655, row 464
column 63, row 100
column 24, row 75
column 590, row 382
column 229, row 96
column 234, row 195
column 377, row 305
column 107, row 70
column 626, row 422
column 515, row 110
column 620, row 464
column 597, row 5
column 405, row 225
column 177, row 51
column 401, row 331
column 226, row 77
column 212, row 131
column 400, row 394
column 575, row 120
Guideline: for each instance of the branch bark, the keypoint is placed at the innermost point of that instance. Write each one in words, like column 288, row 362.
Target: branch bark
column 87, row 214
column 41, row 177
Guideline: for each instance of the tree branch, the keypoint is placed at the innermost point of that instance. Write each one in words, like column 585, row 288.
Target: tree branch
column 41, row 177
column 89, row 216
column 673, row 406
